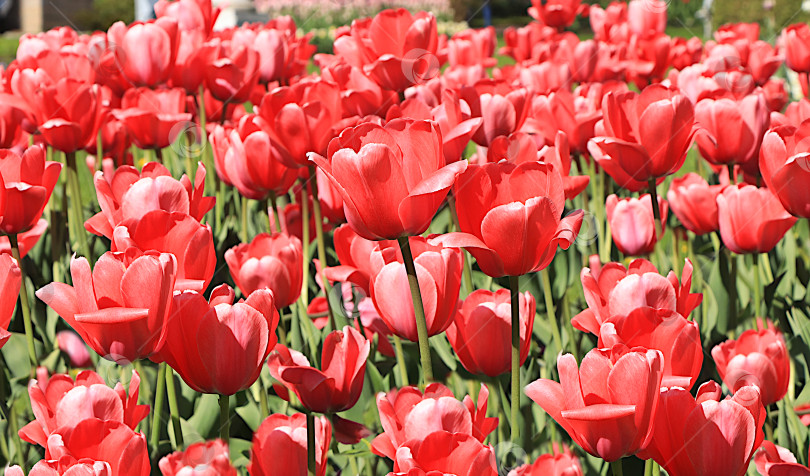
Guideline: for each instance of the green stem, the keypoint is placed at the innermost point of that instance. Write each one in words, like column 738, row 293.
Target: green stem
column 656, row 211
column 224, row 418
column 207, row 159
column 311, row 469
column 305, row 243
column 173, row 408
column 418, row 310
column 403, row 371
column 514, row 288
column 263, row 399
column 316, row 210
column 157, row 411
column 26, row 310
column 757, row 287
column 732, row 293
column 569, row 328
column 76, row 204
column 244, row 217
column 731, row 178
column 552, row 315
column 616, row 466
column 466, row 272
column 274, row 206
column 21, row 449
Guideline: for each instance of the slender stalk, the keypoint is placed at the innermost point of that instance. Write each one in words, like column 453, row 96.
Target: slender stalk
column 157, row 411
column 514, row 289
column 22, row 450
column 99, row 149
column 173, row 408
column 731, row 178
column 76, row 204
column 224, row 418
column 263, row 399
column 274, row 206
column 466, row 272
column 311, row 469
column 403, row 371
column 732, row 292
column 656, row 211
column 207, row 159
column 26, row 310
column 418, row 310
column 316, row 210
column 552, row 315
column 244, row 231
column 305, row 243
column 616, row 466
column 569, row 328
column 757, row 286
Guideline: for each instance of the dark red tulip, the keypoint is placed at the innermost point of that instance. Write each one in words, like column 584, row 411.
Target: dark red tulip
column 269, row 261
column 482, row 329
column 555, row 13
column 607, row 406
column 704, row 435
column 217, row 346
column 337, row 386
column 29, row 180
column 752, row 220
column 120, row 308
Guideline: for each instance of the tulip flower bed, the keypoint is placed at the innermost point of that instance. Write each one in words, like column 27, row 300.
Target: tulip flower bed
column 413, row 262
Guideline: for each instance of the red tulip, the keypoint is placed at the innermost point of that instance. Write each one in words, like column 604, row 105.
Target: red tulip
column 704, row 435
column 482, row 329
column 359, row 95
column 607, row 406
column 496, row 200
column 110, row 442
column 392, row 179
column 217, row 346
column 60, row 403
column 201, row 459
column 309, row 111
column 233, row 72
column 613, row 291
column 632, row 224
column 694, row 202
column 773, row 460
column 558, row 463
column 406, row 415
column 26, row 240
column 10, row 281
column 191, row 243
column 280, row 446
column 246, row 158
column 126, row 195
column 73, row 346
column 438, row 269
column 364, row 313
column 677, row 338
column 119, row 309
column 501, row 112
column 337, row 386
column 796, row 39
column 353, row 252
column 555, row 13
column 471, row 47
column 269, row 261
column 751, row 219
column 29, row 181
column 394, row 61
column 191, row 15
column 154, row 119
column 442, row 452
column 734, row 128
column 785, row 167
column 283, row 55
column 647, row 18
column 68, row 113
column 145, row 52
column 757, row 357
column 646, row 135
column 562, row 111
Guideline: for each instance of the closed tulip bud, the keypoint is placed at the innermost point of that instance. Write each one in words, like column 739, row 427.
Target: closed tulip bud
column 785, row 166
column 481, row 331
column 558, row 463
column 28, row 182
column 269, row 261
column 280, row 446
column 694, row 202
column 632, row 224
column 752, row 220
